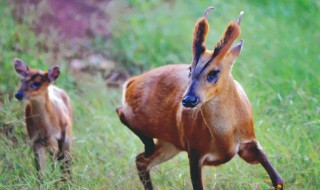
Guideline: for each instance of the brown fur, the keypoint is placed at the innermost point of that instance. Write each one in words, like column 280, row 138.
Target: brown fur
column 48, row 116
column 219, row 127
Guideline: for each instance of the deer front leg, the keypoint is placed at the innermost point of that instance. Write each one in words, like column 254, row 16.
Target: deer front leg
column 52, row 147
column 40, row 159
column 195, row 169
column 252, row 153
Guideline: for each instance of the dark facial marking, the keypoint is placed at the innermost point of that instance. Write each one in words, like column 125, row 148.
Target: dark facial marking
column 206, row 65
column 37, row 75
column 197, row 72
column 192, row 88
column 34, row 82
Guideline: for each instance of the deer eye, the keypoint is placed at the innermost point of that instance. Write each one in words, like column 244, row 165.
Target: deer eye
column 189, row 72
column 36, row 85
column 213, row 76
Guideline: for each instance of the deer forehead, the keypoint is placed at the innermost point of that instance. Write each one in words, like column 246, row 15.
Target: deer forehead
column 35, row 75
column 205, row 64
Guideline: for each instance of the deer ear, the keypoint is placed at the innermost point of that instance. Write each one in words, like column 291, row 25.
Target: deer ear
column 53, row 73
column 21, row 68
column 230, row 35
column 236, row 49
column 199, row 36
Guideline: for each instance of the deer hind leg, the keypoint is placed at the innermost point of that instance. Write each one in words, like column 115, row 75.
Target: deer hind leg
column 64, row 156
column 252, row 153
column 148, row 142
column 163, row 152
column 40, row 158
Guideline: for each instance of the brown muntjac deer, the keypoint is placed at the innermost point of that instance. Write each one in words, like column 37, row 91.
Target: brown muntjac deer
column 48, row 115
column 199, row 109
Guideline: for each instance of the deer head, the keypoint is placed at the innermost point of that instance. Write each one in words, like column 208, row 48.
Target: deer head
column 34, row 81
column 211, row 70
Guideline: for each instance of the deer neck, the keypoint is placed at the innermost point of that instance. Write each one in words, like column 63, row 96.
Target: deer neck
column 42, row 108
column 219, row 112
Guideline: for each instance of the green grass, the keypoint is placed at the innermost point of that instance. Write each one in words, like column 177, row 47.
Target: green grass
column 278, row 68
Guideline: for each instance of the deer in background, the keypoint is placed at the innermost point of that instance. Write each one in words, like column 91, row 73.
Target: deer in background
column 48, row 115
column 199, row 109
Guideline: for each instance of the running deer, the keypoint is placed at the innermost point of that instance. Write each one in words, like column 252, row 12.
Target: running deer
column 199, row 109
column 48, row 116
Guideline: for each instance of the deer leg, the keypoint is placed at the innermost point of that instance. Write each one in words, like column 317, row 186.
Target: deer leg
column 64, row 156
column 144, row 174
column 40, row 159
column 53, row 149
column 195, row 169
column 66, row 165
column 252, row 153
column 163, row 152
column 149, row 146
column 148, row 142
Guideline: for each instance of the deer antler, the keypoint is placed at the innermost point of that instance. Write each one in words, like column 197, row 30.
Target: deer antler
column 208, row 10
column 240, row 17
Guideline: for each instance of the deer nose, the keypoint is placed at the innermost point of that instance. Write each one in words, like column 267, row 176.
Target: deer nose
column 19, row 95
column 190, row 101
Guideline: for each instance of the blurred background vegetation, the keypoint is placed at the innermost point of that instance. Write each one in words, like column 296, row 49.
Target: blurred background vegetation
column 278, row 68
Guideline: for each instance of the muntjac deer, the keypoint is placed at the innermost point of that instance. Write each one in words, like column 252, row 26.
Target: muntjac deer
column 48, row 115
column 199, row 109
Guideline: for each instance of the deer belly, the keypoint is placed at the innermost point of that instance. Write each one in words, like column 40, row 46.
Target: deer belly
column 216, row 158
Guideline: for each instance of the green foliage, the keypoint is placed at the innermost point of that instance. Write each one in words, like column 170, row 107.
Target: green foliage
column 154, row 37
column 18, row 40
column 278, row 68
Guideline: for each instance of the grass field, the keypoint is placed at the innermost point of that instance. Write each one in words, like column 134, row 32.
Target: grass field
column 278, row 68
